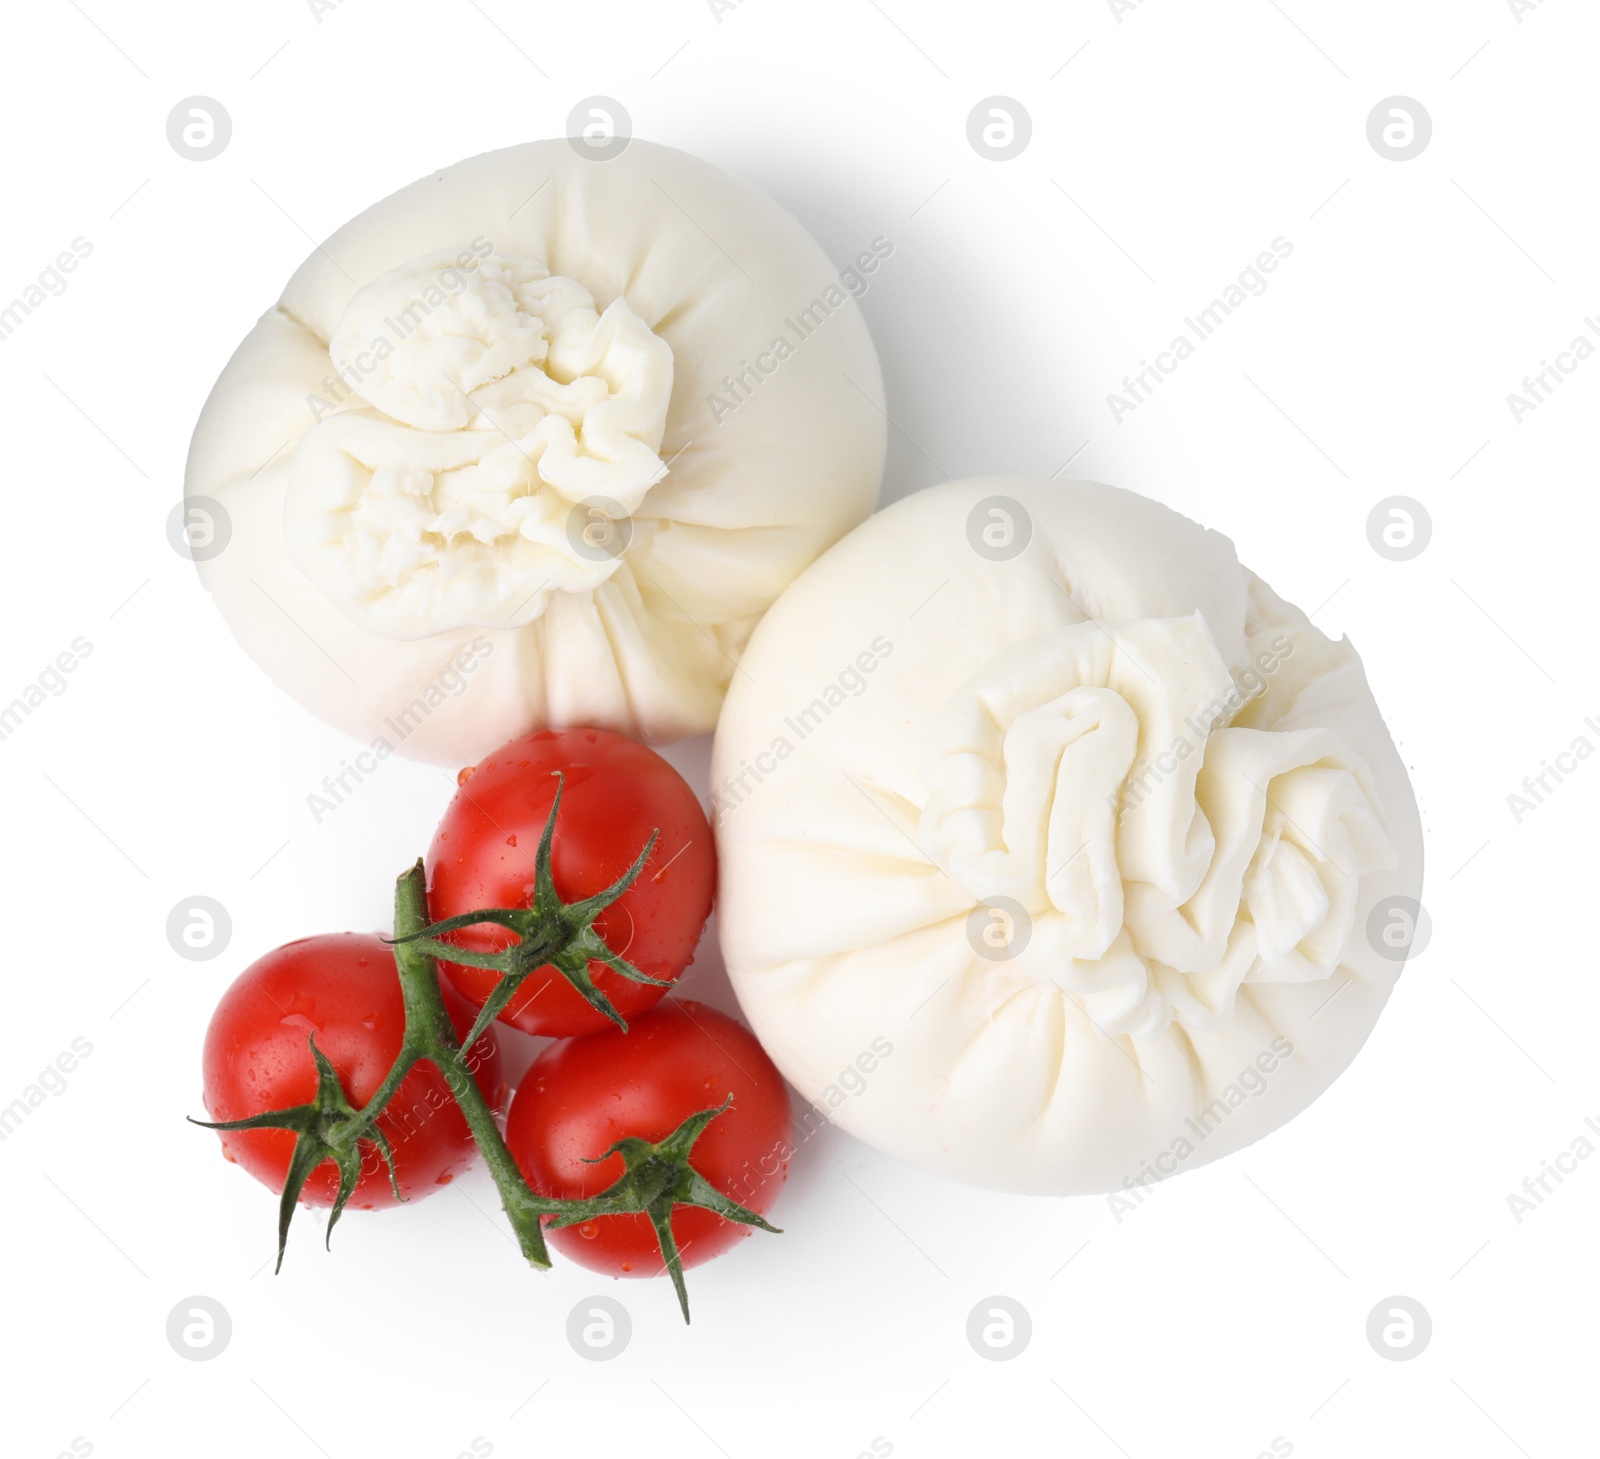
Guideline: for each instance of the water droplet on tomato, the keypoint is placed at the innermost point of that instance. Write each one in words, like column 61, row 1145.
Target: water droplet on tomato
column 444, row 1179
column 511, row 840
column 627, row 1266
column 228, row 1155
column 589, row 1230
column 464, row 776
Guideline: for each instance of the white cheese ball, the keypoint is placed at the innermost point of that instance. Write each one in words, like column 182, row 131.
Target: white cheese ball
column 535, row 442
column 1058, row 853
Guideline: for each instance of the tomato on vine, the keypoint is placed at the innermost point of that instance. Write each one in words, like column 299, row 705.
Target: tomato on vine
column 336, row 1061
column 671, row 1140
column 571, row 876
column 322, row 1021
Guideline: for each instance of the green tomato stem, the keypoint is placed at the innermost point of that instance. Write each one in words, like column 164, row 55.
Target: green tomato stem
column 430, row 1035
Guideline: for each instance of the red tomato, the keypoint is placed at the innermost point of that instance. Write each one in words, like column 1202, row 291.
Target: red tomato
column 616, row 793
column 582, row 1095
column 343, row 988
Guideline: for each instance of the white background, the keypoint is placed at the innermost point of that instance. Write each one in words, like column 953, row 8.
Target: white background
column 1169, row 147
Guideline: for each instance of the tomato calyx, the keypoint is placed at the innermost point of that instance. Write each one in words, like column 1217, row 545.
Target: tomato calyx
column 658, row 1178
column 550, row 933
column 329, row 1128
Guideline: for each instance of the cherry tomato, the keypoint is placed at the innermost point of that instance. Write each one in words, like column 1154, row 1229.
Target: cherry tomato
column 582, row 1095
column 615, row 793
column 343, row 988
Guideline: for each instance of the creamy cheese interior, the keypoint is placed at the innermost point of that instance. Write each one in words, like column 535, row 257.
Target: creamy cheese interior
column 504, row 426
column 1103, row 777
